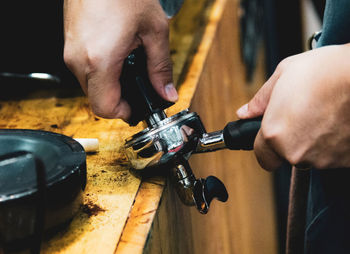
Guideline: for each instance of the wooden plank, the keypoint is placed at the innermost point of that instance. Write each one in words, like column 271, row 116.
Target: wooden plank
column 246, row 223
column 134, row 228
column 141, row 217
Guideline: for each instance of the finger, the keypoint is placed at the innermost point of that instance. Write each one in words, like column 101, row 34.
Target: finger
column 104, row 92
column 159, row 62
column 266, row 156
column 257, row 105
column 102, row 88
column 73, row 63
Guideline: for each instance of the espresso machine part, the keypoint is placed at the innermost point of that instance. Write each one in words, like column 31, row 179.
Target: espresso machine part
column 170, row 141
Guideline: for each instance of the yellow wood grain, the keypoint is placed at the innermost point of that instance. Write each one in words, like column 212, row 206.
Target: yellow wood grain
column 141, row 217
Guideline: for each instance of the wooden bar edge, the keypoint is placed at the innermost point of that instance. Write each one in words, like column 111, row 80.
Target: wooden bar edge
column 141, row 216
column 143, row 211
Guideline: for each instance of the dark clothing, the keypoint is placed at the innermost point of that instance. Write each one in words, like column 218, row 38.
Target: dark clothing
column 328, row 214
column 336, row 23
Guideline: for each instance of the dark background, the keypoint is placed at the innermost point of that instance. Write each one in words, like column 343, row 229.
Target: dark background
column 32, row 39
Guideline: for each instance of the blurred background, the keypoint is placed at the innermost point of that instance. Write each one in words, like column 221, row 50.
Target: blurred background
column 279, row 29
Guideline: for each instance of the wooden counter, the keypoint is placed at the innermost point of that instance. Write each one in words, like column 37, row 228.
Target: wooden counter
column 123, row 213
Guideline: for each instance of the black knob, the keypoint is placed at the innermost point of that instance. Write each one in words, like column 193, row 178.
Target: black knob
column 205, row 190
column 137, row 90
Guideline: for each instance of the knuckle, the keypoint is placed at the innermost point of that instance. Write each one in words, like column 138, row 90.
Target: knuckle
column 261, row 160
column 274, row 136
column 163, row 66
column 106, row 106
column 283, row 64
column 93, row 59
column 257, row 105
column 99, row 106
column 69, row 56
column 269, row 133
column 323, row 163
column 161, row 28
column 300, row 157
column 295, row 158
column 86, row 60
column 103, row 110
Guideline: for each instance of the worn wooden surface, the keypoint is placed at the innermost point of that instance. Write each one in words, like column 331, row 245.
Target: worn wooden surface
column 111, row 188
column 157, row 230
column 246, row 223
column 141, row 217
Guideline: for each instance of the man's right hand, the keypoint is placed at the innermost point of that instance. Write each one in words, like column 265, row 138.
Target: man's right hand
column 306, row 105
column 99, row 35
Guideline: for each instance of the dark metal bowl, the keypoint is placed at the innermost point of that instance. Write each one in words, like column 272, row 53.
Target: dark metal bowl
column 63, row 162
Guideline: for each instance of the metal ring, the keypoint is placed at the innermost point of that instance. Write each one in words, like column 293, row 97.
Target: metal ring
column 315, row 36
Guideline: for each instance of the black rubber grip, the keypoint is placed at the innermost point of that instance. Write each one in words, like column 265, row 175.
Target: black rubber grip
column 240, row 135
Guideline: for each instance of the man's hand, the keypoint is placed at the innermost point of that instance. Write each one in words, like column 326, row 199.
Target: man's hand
column 306, row 108
column 99, row 35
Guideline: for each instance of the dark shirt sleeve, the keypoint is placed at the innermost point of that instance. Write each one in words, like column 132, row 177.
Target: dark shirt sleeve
column 336, row 23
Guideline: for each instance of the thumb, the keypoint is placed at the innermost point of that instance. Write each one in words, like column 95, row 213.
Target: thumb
column 257, row 106
column 160, row 66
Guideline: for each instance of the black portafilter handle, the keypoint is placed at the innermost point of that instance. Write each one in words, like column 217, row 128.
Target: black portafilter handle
column 241, row 134
column 137, row 89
